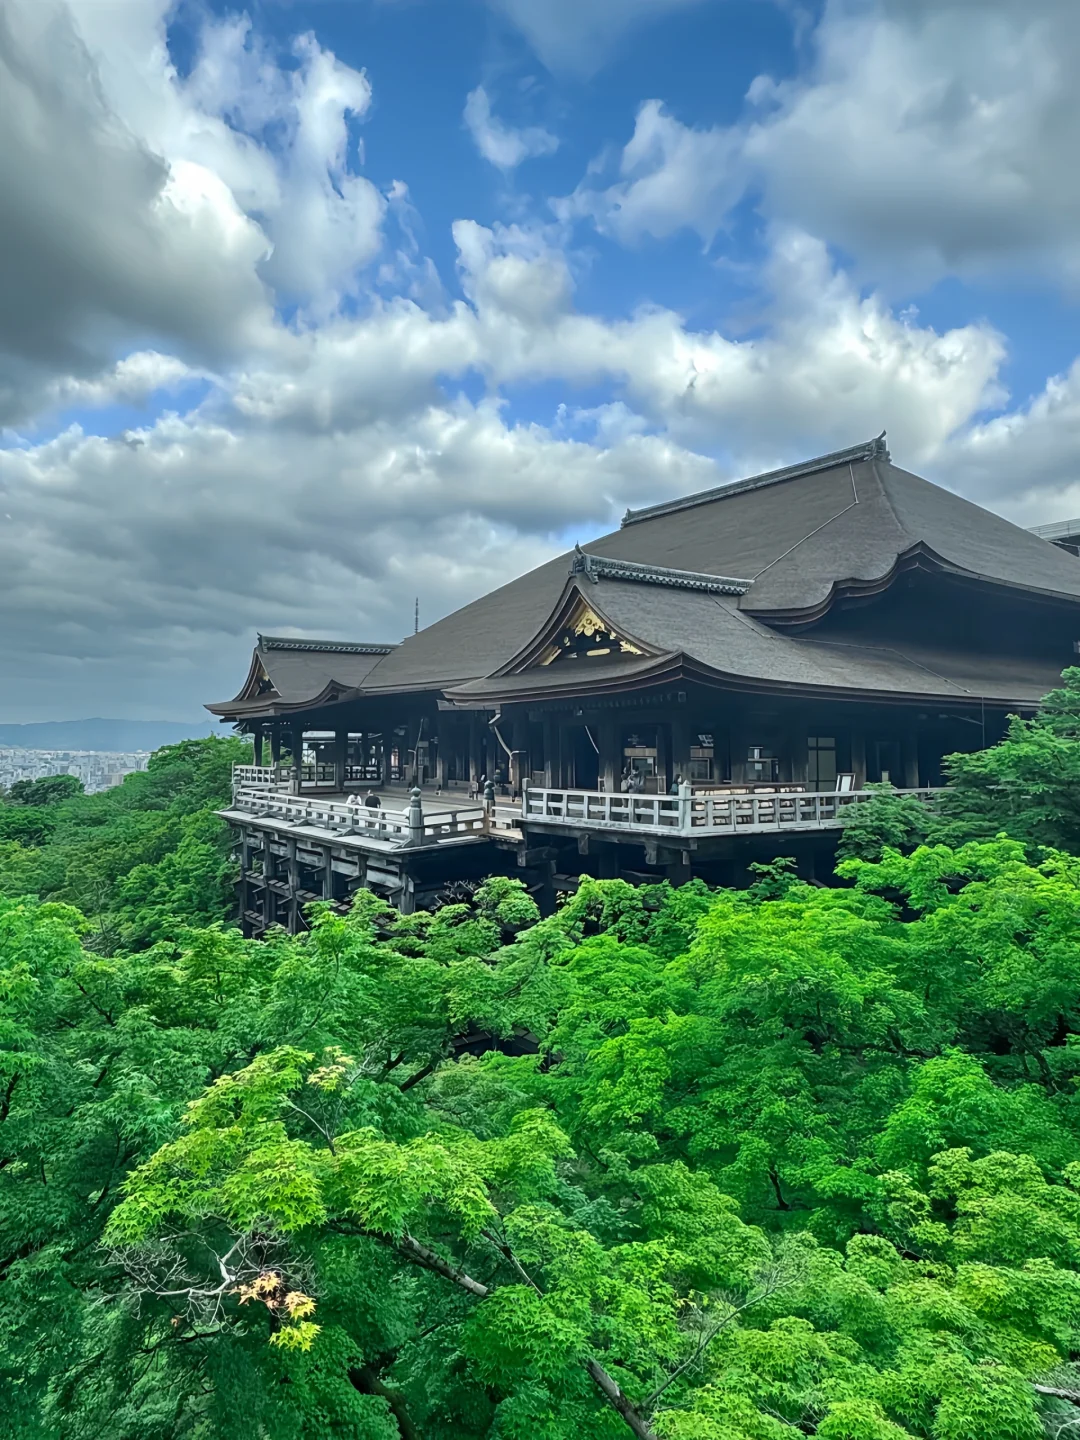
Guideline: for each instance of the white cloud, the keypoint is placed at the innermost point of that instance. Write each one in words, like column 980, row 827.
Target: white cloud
column 577, row 36
column 925, row 139
column 343, row 470
column 1026, row 462
column 499, row 143
column 337, row 466
column 671, row 177
column 101, row 240
column 137, row 208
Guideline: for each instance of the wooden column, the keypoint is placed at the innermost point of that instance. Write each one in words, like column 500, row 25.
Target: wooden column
column 909, row 751
column 798, row 755
column 551, row 755
column 297, row 758
column 519, row 764
column 341, row 745
column 609, row 757
column 663, row 759
column 256, row 744
column 443, row 740
column 858, row 755
column 328, row 873
column 275, row 745
column 294, row 886
column 268, row 875
column 245, row 875
column 680, row 749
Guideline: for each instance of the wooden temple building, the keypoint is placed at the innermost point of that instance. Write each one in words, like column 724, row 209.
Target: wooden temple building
column 775, row 645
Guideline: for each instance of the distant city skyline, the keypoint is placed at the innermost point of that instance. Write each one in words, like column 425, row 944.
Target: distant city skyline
column 97, row 769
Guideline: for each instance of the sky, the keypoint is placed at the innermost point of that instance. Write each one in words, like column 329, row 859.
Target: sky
column 311, row 309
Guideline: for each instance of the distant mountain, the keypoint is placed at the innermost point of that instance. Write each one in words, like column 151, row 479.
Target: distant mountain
column 119, row 735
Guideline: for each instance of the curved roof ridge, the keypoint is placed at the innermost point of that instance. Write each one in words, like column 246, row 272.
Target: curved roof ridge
column 875, row 449
column 596, row 566
column 328, row 647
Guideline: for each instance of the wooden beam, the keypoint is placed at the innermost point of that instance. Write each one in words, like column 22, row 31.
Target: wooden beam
column 537, row 855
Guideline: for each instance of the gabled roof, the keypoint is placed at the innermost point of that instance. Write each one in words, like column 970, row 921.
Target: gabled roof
column 294, row 672
column 798, row 539
column 710, row 638
column 694, row 578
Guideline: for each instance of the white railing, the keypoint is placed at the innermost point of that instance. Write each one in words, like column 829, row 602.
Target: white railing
column 255, row 777
column 275, row 777
column 398, row 827
column 709, row 814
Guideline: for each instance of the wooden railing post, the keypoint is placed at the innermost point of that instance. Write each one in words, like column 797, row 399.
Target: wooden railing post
column 416, row 817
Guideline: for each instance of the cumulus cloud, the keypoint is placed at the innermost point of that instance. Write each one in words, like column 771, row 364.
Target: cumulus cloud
column 578, row 35
column 925, row 139
column 671, row 177
column 317, row 476
column 1023, row 463
column 344, row 471
column 101, row 238
column 138, row 207
column 499, row 143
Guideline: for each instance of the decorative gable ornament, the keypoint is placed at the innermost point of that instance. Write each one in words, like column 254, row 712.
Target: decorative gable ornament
column 585, row 636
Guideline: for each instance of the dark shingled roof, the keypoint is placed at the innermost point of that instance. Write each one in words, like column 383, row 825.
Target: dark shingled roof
column 798, row 535
column 300, row 671
column 708, row 633
column 797, row 538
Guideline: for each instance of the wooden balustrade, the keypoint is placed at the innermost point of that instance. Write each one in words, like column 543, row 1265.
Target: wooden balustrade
column 396, row 827
column 689, row 814
column 256, row 777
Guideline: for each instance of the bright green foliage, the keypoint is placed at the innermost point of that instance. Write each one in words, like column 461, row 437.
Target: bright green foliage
column 49, row 790
column 684, row 1164
column 139, row 859
column 898, row 821
column 789, row 1160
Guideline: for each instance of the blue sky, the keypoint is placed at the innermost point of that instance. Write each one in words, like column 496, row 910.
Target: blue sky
column 307, row 309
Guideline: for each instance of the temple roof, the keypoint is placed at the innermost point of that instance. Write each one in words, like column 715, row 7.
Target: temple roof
column 295, row 672
column 709, row 637
column 796, row 539
column 732, row 581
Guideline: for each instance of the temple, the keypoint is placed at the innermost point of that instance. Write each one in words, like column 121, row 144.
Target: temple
column 716, row 682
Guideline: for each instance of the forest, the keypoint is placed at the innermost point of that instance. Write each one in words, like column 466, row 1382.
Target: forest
column 789, row 1160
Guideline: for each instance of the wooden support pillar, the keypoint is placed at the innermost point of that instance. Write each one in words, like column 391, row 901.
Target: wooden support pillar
column 341, row 745
column 608, row 858
column 680, row 749
column 256, row 744
column 551, row 754
column 328, row 873
column 294, row 886
column 275, row 745
column 546, row 896
column 678, row 871
column 799, row 755
column 519, row 760
column 407, row 902
column 476, row 764
column 609, row 757
column 245, row 876
column 909, row 751
column 858, row 755
column 443, row 740
column 268, row 875
column 297, row 758
column 663, row 759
